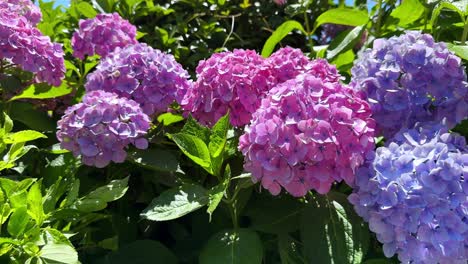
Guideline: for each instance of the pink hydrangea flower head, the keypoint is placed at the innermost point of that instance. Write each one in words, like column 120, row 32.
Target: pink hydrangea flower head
column 229, row 81
column 24, row 45
column 101, row 35
column 287, row 63
column 307, row 134
column 150, row 77
column 101, row 128
column 24, row 8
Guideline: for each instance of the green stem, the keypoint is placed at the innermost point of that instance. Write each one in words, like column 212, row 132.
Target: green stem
column 309, row 33
column 379, row 18
column 465, row 33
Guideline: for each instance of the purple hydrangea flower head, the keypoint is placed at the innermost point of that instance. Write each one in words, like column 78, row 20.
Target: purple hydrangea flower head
column 409, row 79
column 307, row 134
column 150, row 77
column 101, row 35
column 229, row 81
column 286, row 63
column 414, row 194
column 24, row 45
column 101, row 128
column 24, row 8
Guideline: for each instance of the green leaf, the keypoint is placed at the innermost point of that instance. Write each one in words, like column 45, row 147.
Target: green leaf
column 23, row 136
column 8, row 125
column 194, row 148
column 445, row 5
column 281, row 32
column 86, row 9
column 155, row 159
column 460, row 50
column 18, row 221
column 406, row 13
column 237, row 246
column 215, row 194
column 342, row 16
column 218, row 136
column 141, row 252
column 58, row 254
column 344, row 61
column 169, row 119
column 35, row 209
column 43, row 91
column 98, row 199
column 73, row 193
column 332, row 232
column 288, row 249
column 192, row 127
column 36, row 120
column 347, row 43
column 176, row 202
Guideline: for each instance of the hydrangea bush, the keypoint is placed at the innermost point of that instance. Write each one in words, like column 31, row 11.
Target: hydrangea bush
column 101, row 35
column 101, row 128
column 414, row 192
column 411, row 78
column 307, row 134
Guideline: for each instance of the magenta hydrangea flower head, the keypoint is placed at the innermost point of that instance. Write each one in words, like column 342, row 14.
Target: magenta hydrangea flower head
column 101, row 35
column 150, row 77
column 102, row 127
column 24, row 45
column 229, row 81
column 24, row 8
column 414, row 194
column 307, row 134
column 409, row 79
column 286, row 63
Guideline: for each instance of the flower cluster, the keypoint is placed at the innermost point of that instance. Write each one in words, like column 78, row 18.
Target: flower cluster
column 23, row 8
column 307, row 134
column 150, row 77
column 409, row 79
column 229, row 81
column 24, row 45
column 101, row 35
column 101, row 127
column 414, row 196
column 286, row 63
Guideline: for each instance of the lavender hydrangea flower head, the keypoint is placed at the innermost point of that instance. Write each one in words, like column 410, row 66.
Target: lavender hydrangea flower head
column 24, row 45
column 286, row 63
column 307, row 134
column 409, row 79
column 229, row 81
column 101, row 35
column 414, row 194
column 102, row 127
column 24, row 8
column 150, row 77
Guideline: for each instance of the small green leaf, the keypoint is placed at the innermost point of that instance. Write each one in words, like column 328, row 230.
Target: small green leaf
column 459, row 50
column 194, row 148
column 23, row 136
column 86, row 9
column 347, row 43
column 155, row 159
column 237, row 246
column 43, row 91
column 218, row 136
column 58, row 254
column 73, row 193
column 18, row 221
column 176, row 202
column 169, row 119
column 98, row 199
column 406, row 13
column 8, row 125
column 192, row 127
column 216, row 194
column 35, row 209
column 342, row 16
column 281, row 32
column 445, row 5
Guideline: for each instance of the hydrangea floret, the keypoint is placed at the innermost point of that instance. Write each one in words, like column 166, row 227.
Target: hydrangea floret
column 150, row 77
column 307, row 134
column 411, row 78
column 24, row 45
column 286, row 63
column 414, row 194
column 102, row 35
column 102, row 127
column 229, row 81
